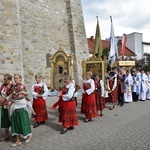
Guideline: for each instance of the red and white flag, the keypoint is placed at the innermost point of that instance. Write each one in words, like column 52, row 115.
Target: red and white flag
column 124, row 40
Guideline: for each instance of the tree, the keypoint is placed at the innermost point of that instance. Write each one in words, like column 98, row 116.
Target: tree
column 106, row 52
column 143, row 63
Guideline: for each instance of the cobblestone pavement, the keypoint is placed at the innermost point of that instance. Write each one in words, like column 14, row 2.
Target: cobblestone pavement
column 123, row 128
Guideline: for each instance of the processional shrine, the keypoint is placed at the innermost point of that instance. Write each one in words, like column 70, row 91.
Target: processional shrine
column 61, row 65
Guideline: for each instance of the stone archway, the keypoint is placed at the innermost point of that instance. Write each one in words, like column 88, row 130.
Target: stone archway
column 61, row 65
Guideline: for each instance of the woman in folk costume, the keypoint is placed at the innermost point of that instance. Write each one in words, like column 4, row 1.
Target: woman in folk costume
column 5, row 91
column 143, row 86
column 20, row 123
column 88, row 106
column 136, row 85
column 58, row 103
column 127, row 85
column 148, row 85
column 39, row 92
column 111, row 84
column 68, row 113
column 99, row 94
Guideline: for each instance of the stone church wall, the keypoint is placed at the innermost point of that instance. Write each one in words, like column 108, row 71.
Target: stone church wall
column 29, row 29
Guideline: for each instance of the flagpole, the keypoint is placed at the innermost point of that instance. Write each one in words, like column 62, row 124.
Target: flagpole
column 113, row 53
column 110, row 64
column 111, row 18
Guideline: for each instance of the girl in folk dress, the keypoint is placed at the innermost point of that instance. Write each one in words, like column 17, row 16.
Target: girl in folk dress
column 39, row 92
column 88, row 106
column 20, row 123
column 99, row 94
column 111, row 84
column 68, row 113
column 5, row 91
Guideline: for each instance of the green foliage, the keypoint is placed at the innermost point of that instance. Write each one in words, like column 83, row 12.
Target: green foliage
column 106, row 52
column 143, row 63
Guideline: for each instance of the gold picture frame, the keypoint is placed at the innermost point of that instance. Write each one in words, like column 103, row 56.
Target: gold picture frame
column 96, row 67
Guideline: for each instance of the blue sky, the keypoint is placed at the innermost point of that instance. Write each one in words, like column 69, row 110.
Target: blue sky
column 128, row 16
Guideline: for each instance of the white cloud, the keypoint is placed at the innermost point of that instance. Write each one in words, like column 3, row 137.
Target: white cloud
column 128, row 16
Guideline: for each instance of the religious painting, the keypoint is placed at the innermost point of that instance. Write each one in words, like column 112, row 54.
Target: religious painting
column 96, row 67
column 61, row 65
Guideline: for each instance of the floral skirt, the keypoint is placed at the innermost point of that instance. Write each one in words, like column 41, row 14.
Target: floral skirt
column 20, row 123
column 68, row 114
column 39, row 106
column 88, row 106
column 100, row 101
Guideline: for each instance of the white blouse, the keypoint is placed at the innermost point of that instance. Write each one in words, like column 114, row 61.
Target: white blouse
column 45, row 94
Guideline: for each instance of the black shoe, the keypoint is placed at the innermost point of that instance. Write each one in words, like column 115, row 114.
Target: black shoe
column 63, row 131
column 111, row 108
column 88, row 120
column 101, row 115
column 36, row 125
column 121, row 105
column 70, row 128
column 42, row 122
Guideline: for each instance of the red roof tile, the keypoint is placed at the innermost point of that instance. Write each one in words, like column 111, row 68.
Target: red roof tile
column 105, row 44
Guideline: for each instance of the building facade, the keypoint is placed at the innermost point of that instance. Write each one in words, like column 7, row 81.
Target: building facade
column 146, row 47
column 134, row 42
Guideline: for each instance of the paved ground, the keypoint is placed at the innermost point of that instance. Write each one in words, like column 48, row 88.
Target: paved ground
column 124, row 128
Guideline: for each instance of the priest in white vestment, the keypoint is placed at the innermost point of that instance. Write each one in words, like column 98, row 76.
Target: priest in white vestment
column 143, row 86
column 148, row 86
column 128, row 83
column 136, row 85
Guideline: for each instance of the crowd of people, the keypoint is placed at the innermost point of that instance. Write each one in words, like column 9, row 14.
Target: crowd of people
column 16, row 108
column 120, row 86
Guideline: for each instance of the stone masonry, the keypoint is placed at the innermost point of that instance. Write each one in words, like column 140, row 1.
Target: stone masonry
column 29, row 29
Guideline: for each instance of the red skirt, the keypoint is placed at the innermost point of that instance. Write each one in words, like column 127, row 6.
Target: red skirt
column 68, row 114
column 100, row 101
column 113, row 96
column 88, row 106
column 39, row 106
